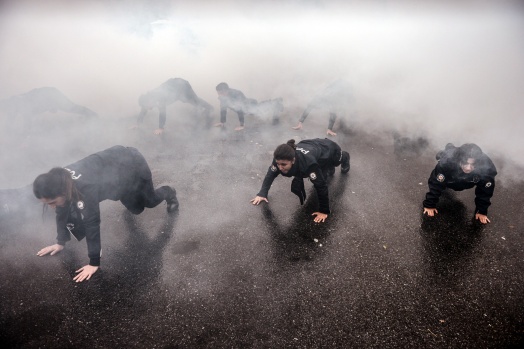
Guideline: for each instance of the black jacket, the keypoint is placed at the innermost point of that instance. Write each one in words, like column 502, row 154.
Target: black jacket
column 448, row 174
column 108, row 174
column 311, row 157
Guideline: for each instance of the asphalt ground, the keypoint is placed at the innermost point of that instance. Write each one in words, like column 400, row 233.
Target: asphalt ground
column 223, row 273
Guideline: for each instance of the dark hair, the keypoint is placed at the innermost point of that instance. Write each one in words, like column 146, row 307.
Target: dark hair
column 285, row 151
column 222, row 87
column 57, row 182
column 468, row 151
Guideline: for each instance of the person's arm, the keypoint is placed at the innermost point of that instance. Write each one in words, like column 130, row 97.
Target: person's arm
column 436, row 184
column 271, row 174
column 161, row 117
column 92, row 230
column 321, row 187
column 91, row 225
column 306, row 113
column 62, row 236
column 483, row 193
column 332, row 119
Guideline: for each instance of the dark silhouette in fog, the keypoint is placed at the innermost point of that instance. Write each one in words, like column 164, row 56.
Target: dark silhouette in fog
column 334, row 97
column 169, row 92
column 407, row 146
column 236, row 101
column 38, row 101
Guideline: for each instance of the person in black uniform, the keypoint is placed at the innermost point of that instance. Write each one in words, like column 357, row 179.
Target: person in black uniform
column 462, row 168
column 334, row 97
column 236, row 101
column 118, row 173
column 168, row 93
column 313, row 158
column 38, row 101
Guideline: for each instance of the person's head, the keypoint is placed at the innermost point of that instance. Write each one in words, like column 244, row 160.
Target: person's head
column 468, row 156
column 284, row 156
column 55, row 187
column 145, row 101
column 222, row 89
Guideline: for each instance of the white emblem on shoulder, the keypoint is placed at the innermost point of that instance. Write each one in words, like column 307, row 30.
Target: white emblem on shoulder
column 440, row 177
column 273, row 168
column 313, row 176
column 80, row 205
column 488, row 184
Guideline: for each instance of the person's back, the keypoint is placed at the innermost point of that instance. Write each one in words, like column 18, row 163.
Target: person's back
column 169, row 92
column 111, row 171
column 41, row 100
column 317, row 150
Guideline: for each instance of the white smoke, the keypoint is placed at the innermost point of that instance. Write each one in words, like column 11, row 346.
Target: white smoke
column 452, row 73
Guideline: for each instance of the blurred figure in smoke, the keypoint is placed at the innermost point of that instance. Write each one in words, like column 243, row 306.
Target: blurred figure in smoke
column 313, row 158
column 335, row 97
column 168, row 93
column 236, row 101
column 406, row 146
column 462, row 168
column 38, row 101
column 117, row 173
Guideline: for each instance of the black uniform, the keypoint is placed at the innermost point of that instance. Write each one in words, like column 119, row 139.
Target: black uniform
column 169, row 92
column 335, row 95
column 117, row 173
column 41, row 100
column 314, row 158
column 448, row 174
column 236, row 101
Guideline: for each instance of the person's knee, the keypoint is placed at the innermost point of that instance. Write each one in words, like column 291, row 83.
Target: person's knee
column 135, row 210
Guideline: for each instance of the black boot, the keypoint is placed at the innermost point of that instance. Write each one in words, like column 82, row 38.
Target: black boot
column 344, row 167
column 172, row 201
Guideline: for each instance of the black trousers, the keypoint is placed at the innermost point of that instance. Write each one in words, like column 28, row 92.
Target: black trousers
column 141, row 193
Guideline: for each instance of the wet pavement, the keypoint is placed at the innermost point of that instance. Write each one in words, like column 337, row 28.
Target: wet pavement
column 225, row 274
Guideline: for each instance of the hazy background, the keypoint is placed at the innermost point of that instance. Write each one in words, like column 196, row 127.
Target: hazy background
column 451, row 73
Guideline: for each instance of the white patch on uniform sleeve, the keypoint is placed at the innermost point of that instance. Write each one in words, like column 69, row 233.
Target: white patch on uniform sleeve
column 488, row 184
column 441, row 177
column 273, row 168
column 80, row 204
column 313, row 176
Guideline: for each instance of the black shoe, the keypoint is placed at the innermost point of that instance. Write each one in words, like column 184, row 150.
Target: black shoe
column 172, row 202
column 344, row 168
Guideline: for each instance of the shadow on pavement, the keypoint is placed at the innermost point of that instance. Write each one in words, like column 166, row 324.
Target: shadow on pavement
column 449, row 241
column 301, row 241
column 130, row 287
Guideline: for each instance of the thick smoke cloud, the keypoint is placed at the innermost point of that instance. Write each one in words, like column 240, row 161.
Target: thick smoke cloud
column 452, row 74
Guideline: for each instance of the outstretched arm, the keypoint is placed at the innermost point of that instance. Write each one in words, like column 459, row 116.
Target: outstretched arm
column 332, row 119
column 271, row 174
column 320, row 185
column 436, row 184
